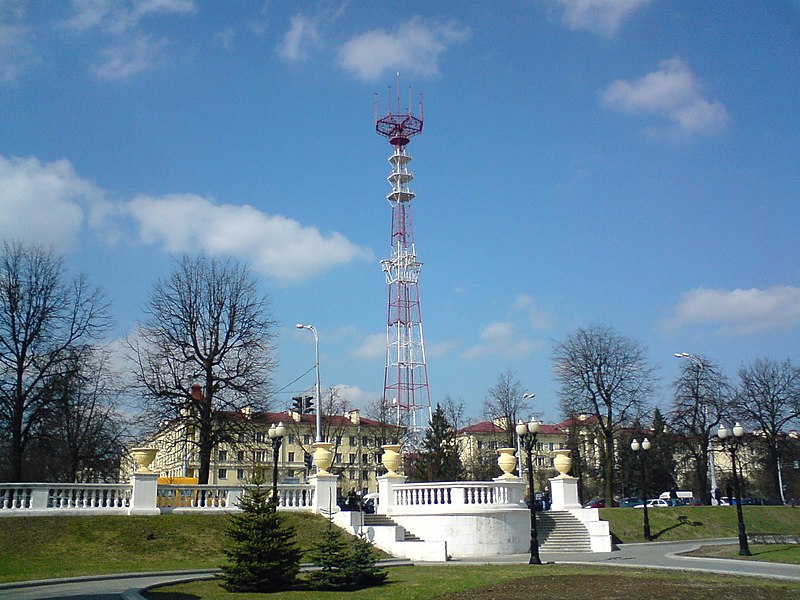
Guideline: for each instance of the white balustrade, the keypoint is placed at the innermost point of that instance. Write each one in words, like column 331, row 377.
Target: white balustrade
column 442, row 497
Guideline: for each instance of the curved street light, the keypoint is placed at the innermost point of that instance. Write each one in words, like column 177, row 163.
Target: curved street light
column 313, row 330
column 711, row 463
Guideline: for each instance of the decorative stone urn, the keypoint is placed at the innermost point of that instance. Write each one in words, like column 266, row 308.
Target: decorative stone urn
column 507, row 462
column 391, row 458
column 562, row 462
column 323, row 457
column 144, row 457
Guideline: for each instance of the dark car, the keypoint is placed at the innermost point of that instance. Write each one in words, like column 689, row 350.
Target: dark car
column 630, row 502
column 599, row 503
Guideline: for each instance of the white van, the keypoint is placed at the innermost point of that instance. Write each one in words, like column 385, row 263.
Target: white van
column 684, row 496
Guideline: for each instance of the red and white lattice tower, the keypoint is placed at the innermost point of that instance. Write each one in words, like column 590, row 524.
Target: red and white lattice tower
column 405, row 385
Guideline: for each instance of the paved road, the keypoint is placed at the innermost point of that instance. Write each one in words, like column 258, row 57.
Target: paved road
column 655, row 554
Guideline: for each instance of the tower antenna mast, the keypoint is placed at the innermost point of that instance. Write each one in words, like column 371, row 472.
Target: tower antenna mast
column 405, row 383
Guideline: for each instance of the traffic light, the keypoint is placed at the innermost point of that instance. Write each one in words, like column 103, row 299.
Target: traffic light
column 308, row 405
column 297, row 404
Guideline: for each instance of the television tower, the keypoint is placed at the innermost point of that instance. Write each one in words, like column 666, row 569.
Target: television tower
column 405, row 382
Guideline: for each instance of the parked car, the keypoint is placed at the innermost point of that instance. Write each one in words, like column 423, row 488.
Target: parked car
column 599, row 503
column 369, row 503
column 630, row 502
column 654, row 503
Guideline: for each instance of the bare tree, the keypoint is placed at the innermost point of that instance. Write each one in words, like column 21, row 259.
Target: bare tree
column 82, row 434
column 44, row 317
column 702, row 399
column 207, row 327
column 604, row 374
column 506, row 402
column 769, row 399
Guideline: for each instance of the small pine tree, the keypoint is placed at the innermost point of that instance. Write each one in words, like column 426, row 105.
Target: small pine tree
column 361, row 568
column 263, row 554
column 439, row 459
column 331, row 555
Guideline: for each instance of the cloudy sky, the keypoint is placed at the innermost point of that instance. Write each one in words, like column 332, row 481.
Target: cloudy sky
column 632, row 163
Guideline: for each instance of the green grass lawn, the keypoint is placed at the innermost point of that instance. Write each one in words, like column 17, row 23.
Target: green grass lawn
column 44, row 547
column 518, row 582
column 699, row 522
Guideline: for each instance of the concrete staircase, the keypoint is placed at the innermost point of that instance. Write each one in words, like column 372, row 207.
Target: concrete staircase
column 560, row 531
column 384, row 521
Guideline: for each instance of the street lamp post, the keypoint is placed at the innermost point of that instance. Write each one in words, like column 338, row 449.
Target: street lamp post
column 641, row 452
column 276, row 433
column 701, row 366
column 313, row 330
column 732, row 445
column 527, row 434
column 526, row 396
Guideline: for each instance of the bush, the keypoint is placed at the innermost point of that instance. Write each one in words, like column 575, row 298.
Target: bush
column 343, row 568
column 263, row 554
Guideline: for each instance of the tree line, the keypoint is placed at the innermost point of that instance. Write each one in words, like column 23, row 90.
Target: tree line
column 205, row 347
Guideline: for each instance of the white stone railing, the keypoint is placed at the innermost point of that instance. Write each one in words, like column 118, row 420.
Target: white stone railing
column 144, row 496
column 212, row 498
column 443, row 497
column 53, row 498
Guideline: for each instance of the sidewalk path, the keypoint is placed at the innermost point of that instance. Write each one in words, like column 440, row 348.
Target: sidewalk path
column 663, row 555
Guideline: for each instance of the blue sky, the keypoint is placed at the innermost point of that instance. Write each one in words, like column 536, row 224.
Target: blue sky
column 633, row 163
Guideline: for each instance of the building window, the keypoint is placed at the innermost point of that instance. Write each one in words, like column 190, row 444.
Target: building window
column 338, row 458
column 291, row 438
column 352, row 458
column 240, row 456
column 222, row 455
column 364, row 458
column 338, row 440
column 290, row 457
column 259, row 436
column 307, row 439
column 222, row 474
column 364, row 441
column 353, row 440
column 239, row 474
column 260, row 455
column 480, row 444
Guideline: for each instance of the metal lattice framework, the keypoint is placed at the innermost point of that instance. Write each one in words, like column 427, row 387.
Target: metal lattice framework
column 405, row 388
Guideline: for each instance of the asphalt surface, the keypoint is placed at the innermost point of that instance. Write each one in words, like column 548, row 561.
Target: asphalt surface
column 663, row 555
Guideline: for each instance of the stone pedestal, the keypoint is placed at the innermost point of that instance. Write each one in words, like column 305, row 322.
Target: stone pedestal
column 324, row 493
column 386, row 493
column 144, row 497
column 564, row 493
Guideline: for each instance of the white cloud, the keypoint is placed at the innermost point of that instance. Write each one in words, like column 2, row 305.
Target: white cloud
column 353, row 395
column 440, row 349
column 45, row 202
column 538, row 318
column 16, row 51
column 131, row 49
column 118, row 16
column 598, row 16
column 301, row 39
column 372, row 346
column 416, row 47
column 501, row 339
column 672, row 92
column 740, row 311
column 130, row 57
column 276, row 245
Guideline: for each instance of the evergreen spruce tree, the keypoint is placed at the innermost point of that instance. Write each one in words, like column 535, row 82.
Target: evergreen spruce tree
column 439, row 459
column 331, row 555
column 263, row 555
column 361, row 567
